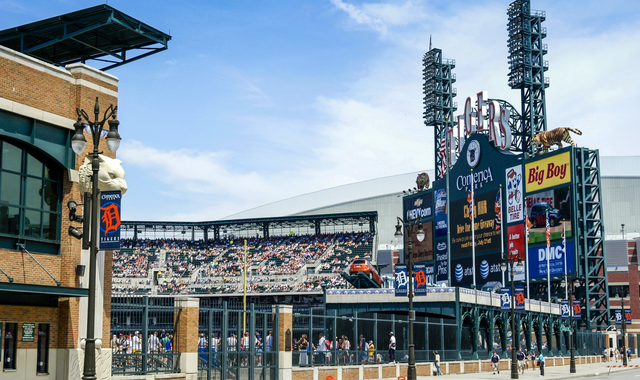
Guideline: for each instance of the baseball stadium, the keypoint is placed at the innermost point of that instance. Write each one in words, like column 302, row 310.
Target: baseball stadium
column 518, row 238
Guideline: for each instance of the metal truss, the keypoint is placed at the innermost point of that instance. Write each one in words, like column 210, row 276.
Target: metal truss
column 591, row 260
column 527, row 68
column 438, row 102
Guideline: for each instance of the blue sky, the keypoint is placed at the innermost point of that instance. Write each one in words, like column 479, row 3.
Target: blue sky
column 257, row 101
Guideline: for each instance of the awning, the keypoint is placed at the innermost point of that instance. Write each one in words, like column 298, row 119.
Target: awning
column 12, row 293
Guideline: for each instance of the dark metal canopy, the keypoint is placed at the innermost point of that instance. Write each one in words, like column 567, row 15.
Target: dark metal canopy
column 99, row 33
column 12, row 293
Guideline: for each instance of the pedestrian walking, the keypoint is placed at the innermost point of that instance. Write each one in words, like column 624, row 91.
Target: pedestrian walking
column 392, row 348
column 436, row 362
column 495, row 362
column 541, row 363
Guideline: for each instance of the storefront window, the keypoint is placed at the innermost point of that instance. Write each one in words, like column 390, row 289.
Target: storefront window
column 10, row 346
column 43, row 348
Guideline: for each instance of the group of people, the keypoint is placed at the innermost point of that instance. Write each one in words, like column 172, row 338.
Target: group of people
column 217, row 264
column 611, row 354
column 235, row 346
column 524, row 358
column 132, row 343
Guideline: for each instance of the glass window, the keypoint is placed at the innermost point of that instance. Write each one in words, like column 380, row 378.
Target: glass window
column 29, row 197
column 43, row 348
column 11, row 157
column 10, row 346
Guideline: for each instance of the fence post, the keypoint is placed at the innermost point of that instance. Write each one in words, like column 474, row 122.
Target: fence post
column 186, row 322
column 285, row 323
column 145, row 333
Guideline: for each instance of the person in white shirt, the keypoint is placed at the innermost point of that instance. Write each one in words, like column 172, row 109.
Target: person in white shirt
column 136, row 343
column 322, row 348
column 244, row 346
column 392, row 347
column 153, row 342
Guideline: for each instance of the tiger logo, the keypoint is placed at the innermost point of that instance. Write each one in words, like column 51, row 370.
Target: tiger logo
column 555, row 136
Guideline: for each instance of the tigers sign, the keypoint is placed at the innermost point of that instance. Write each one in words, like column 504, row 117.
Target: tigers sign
column 548, row 172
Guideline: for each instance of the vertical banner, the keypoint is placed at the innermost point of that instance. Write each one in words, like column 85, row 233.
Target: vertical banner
column 564, row 309
column 401, row 280
column 519, row 298
column 440, row 200
column 420, row 279
column 618, row 314
column 577, row 310
column 515, row 199
column 627, row 316
column 442, row 263
column 109, row 234
column 505, row 299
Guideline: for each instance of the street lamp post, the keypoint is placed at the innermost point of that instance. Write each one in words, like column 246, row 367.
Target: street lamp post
column 622, row 295
column 78, row 144
column 572, row 283
column 514, row 261
column 411, row 367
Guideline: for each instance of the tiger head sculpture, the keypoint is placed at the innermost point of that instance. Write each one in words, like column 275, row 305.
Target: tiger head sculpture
column 110, row 175
column 423, row 182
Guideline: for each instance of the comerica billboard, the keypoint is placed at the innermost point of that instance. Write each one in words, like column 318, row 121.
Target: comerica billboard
column 505, row 190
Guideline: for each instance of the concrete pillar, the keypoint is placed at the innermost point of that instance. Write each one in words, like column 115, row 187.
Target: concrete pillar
column 186, row 334
column 285, row 341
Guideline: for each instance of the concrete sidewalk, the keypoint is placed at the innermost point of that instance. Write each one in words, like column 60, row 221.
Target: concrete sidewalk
column 556, row 372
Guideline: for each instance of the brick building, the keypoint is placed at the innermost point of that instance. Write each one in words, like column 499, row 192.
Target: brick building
column 624, row 279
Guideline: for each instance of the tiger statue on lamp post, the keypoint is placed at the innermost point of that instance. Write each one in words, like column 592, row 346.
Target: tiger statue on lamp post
column 554, row 136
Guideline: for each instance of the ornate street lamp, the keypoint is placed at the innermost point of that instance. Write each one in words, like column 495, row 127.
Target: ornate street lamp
column 514, row 261
column 573, row 283
column 78, row 144
column 408, row 227
column 621, row 296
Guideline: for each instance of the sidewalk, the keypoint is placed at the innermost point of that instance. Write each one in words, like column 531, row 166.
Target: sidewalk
column 557, row 372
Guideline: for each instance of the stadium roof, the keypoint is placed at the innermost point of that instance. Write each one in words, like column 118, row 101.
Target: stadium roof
column 99, row 33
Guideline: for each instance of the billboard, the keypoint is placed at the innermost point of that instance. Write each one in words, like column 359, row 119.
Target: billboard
column 515, row 242
column 558, row 204
column 422, row 250
column 442, row 262
column 537, row 260
column 548, row 172
column 487, row 232
column 440, row 202
column 487, row 269
column 514, row 194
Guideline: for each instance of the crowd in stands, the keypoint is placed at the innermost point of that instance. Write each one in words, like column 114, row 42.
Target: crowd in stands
column 275, row 264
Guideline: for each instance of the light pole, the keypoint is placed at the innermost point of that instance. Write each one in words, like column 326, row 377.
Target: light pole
column 514, row 260
column 621, row 295
column 411, row 367
column 572, row 283
column 78, row 144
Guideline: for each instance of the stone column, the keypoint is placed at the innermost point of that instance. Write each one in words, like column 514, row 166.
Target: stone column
column 186, row 334
column 285, row 341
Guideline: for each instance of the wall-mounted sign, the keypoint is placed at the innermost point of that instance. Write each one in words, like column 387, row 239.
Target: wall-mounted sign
column 28, row 332
column 548, row 172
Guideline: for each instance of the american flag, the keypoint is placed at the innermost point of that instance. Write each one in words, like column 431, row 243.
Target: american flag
column 498, row 208
column 564, row 242
column 527, row 225
column 470, row 201
column 548, row 232
column 443, row 155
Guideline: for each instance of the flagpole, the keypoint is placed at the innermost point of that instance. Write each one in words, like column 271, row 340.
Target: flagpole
column 473, row 233
column 501, row 232
column 526, row 251
column 564, row 252
column 548, row 234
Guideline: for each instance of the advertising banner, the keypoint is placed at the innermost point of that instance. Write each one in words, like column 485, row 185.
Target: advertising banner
column 557, row 203
column 109, row 234
column 401, row 280
column 419, row 207
column 422, row 250
column 420, row 279
column 548, row 172
column 618, row 314
column 515, row 242
column 537, row 260
column 627, row 316
column 487, row 270
column 442, row 263
column 505, row 299
column 440, row 201
column 487, row 233
column 515, row 198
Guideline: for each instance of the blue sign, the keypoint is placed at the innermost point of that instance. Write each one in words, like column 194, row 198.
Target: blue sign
column 401, row 280
column 577, row 310
column 505, row 299
column 564, row 309
column 618, row 317
column 537, row 260
column 420, row 279
column 442, row 263
column 109, row 233
column 440, row 197
column 627, row 316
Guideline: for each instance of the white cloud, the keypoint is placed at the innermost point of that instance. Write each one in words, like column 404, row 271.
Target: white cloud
column 380, row 16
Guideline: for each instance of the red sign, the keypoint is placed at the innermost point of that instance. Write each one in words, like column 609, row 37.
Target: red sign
column 515, row 241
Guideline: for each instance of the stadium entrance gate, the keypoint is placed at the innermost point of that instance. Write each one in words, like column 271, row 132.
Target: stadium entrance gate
column 238, row 344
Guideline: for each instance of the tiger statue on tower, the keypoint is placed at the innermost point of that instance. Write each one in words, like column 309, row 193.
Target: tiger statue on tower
column 554, row 136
